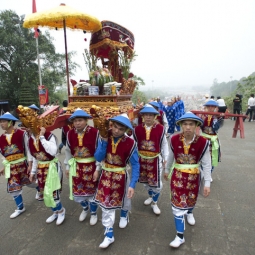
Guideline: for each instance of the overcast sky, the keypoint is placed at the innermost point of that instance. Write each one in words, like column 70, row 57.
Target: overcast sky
column 178, row 42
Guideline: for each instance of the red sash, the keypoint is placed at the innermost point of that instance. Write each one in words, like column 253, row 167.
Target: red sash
column 149, row 168
column 184, row 186
column 111, row 189
column 13, row 151
column 83, row 184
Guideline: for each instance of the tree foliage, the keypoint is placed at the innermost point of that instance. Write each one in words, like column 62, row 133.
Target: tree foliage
column 18, row 60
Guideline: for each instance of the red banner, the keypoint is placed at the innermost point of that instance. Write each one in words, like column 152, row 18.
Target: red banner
column 43, row 95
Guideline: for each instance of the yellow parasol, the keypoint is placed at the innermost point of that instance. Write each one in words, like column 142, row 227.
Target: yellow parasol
column 61, row 17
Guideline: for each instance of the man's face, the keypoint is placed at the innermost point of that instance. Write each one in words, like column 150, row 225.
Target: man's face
column 118, row 130
column 170, row 103
column 149, row 118
column 80, row 123
column 188, row 127
column 4, row 124
column 210, row 108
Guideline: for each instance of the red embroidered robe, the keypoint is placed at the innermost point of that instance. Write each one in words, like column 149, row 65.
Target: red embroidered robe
column 14, row 151
column 149, row 168
column 184, row 186
column 40, row 154
column 83, row 184
column 111, row 189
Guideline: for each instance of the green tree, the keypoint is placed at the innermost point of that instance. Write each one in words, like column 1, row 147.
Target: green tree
column 139, row 97
column 18, row 60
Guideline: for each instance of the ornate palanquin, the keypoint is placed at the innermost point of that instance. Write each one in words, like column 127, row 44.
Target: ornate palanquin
column 105, row 45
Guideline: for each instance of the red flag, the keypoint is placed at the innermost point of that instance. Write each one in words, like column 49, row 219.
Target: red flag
column 34, row 10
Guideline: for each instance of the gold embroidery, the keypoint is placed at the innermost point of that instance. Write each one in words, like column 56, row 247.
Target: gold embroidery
column 9, row 141
column 15, row 157
column 80, row 138
column 114, row 145
column 36, row 143
column 148, row 132
column 148, row 153
column 185, row 147
column 209, row 117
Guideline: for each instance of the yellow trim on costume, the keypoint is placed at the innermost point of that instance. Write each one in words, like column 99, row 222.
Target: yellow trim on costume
column 15, row 157
column 148, row 154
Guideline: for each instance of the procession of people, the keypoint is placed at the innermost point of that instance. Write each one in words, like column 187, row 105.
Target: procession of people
column 98, row 167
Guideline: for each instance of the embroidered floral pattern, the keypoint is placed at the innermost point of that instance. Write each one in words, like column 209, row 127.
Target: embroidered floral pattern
column 11, row 149
column 81, row 152
column 113, row 159
column 148, row 145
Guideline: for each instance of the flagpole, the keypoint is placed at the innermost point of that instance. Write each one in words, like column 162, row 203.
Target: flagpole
column 38, row 60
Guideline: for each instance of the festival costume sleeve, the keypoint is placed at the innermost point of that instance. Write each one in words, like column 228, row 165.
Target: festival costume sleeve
column 217, row 124
column 164, row 149
column 170, row 159
column 100, row 153
column 28, row 154
column 63, row 137
column 135, row 166
column 50, row 146
column 34, row 166
column 68, row 156
column 165, row 122
column 207, row 166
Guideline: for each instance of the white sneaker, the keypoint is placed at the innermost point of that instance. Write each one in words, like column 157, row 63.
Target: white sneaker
column 211, row 179
column 148, row 201
column 93, row 219
column 53, row 217
column 191, row 219
column 83, row 215
column 61, row 217
column 177, row 242
column 107, row 241
column 123, row 222
column 37, row 195
column 155, row 208
column 17, row 213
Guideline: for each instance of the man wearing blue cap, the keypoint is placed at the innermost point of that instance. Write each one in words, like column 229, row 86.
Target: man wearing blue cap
column 81, row 166
column 153, row 151
column 18, row 161
column 210, row 128
column 188, row 152
column 115, row 189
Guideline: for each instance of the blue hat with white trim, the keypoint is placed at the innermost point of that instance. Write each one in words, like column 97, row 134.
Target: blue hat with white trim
column 189, row 116
column 123, row 121
column 8, row 116
column 149, row 109
column 211, row 103
column 153, row 103
column 33, row 106
column 79, row 114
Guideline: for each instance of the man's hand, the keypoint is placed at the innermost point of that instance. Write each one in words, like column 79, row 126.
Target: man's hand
column 95, row 176
column 2, row 172
column 166, row 176
column 29, row 168
column 164, row 164
column 206, row 191
column 42, row 131
column 131, row 192
column 32, row 177
column 67, row 173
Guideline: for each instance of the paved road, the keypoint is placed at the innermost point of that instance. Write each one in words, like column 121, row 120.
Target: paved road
column 225, row 222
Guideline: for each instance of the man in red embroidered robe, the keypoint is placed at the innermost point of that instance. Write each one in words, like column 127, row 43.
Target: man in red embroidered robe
column 115, row 189
column 161, row 117
column 18, row 161
column 43, row 148
column 188, row 152
column 153, row 151
column 81, row 165
column 210, row 128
